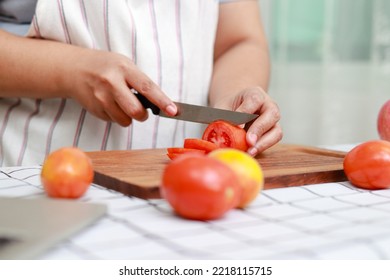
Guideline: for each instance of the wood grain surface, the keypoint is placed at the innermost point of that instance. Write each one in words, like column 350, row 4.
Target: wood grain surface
column 138, row 172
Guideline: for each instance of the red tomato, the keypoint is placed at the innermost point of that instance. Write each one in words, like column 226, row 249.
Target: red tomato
column 226, row 135
column 383, row 121
column 67, row 173
column 174, row 152
column 173, row 155
column 193, row 143
column 179, row 150
column 199, row 187
column 368, row 165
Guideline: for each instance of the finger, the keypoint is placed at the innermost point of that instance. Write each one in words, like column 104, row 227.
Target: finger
column 269, row 116
column 251, row 102
column 106, row 106
column 129, row 104
column 144, row 85
column 102, row 115
column 267, row 140
column 119, row 116
column 97, row 105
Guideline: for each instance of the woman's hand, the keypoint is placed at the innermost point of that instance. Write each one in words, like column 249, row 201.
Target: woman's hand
column 263, row 132
column 100, row 81
column 241, row 72
column 103, row 86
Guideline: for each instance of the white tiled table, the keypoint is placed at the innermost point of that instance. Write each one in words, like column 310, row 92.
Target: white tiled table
column 324, row 221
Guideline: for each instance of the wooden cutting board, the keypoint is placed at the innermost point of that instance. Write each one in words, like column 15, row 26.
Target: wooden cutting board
column 138, row 172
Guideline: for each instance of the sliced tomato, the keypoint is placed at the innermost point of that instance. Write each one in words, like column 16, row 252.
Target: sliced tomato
column 200, row 144
column 179, row 150
column 226, row 135
column 173, row 155
column 174, row 152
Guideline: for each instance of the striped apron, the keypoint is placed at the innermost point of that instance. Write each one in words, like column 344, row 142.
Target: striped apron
column 170, row 40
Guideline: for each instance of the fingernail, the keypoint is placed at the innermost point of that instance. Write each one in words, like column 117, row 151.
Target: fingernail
column 252, row 151
column 171, row 109
column 252, row 138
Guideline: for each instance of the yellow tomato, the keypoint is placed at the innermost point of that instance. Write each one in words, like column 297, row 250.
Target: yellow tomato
column 248, row 171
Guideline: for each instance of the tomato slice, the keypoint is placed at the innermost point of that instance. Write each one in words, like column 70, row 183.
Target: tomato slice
column 174, row 152
column 179, row 150
column 173, row 155
column 226, row 135
column 194, row 143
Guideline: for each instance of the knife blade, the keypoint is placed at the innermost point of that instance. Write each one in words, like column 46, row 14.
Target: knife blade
column 197, row 113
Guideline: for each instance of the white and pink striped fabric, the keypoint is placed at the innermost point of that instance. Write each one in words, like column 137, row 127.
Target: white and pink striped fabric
column 170, row 40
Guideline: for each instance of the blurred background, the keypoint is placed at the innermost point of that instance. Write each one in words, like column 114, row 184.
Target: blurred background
column 330, row 67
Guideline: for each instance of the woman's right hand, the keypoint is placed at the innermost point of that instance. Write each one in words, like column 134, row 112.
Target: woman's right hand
column 102, row 81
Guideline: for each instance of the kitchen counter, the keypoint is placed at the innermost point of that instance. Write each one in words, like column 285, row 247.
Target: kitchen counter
column 322, row 221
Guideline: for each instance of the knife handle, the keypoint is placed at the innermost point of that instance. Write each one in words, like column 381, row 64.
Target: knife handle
column 147, row 104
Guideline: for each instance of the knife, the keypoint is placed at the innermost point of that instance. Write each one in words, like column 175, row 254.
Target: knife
column 199, row 114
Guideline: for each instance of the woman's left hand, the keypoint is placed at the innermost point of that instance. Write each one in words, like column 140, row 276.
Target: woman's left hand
column 265, row 131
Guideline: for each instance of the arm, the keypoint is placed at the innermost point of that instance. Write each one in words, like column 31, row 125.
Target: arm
column 241, row 72
column 100, row 81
